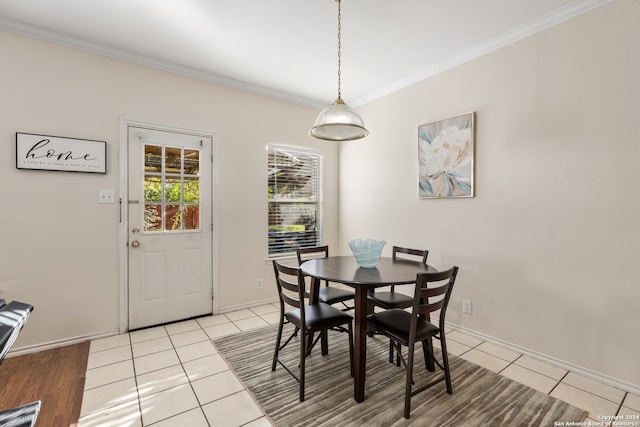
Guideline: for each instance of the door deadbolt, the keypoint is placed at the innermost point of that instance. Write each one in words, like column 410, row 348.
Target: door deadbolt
column 135, row 230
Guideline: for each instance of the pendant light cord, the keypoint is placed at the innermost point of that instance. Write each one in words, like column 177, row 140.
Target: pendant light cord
column 339, row 49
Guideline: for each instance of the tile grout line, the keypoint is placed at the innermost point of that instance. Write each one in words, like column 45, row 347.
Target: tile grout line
column 200, row 404
column 135, row 379
column 255, row 315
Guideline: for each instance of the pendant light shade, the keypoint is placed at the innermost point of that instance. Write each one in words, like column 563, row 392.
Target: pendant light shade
column 338, row 122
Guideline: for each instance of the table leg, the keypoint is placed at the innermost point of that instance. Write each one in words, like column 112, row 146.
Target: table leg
column 360, row 342
column 427, row 349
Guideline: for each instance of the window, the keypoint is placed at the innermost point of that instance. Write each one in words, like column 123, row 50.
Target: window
column 171, row 189
column 294, row 194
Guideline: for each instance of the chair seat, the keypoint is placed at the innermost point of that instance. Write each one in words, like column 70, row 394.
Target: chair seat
column 332, row 295
column 396, row 324
column 318, row 317
column 389, row 300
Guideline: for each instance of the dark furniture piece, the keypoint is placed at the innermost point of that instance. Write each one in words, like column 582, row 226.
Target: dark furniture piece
column 306, row 318
column 328, row 294
column 13, row 317
column 432, row 294
column 391, row 299
column 20, row 416
column 345, row 270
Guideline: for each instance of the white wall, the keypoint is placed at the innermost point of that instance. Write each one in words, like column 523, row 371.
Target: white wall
column 548, row 248
column 59, row 248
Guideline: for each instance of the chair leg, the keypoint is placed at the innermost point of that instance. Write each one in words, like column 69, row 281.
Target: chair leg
column 395, row 348
column 407, row 393
column 324, row 342
column 445, row 364
column 303, row 356
column 277, row 350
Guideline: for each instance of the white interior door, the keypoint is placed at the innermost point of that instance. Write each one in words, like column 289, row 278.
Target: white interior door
column 170, row 226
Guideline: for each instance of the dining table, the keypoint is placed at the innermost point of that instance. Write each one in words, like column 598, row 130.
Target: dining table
column 345, row 270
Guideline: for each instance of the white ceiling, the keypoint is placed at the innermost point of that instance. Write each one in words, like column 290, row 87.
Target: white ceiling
column 288, row 48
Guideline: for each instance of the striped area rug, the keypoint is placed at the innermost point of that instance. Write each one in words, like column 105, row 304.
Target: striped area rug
column 480, row 397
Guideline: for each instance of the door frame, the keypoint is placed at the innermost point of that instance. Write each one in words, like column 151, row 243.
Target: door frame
column 123, row 213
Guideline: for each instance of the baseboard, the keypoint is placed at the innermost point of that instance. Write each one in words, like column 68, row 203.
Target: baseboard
column 20, row 351
column 246, row 306
column 61, row 343
column 596, row 376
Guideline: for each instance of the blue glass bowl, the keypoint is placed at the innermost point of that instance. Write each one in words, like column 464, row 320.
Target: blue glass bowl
column 367, row 252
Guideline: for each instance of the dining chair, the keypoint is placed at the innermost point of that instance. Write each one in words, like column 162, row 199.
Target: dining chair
column 328, row 294
column 307, row 319
column 432, row 294
column 391, row 299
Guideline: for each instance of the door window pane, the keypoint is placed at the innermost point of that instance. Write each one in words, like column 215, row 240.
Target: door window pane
column 191, row 162
column 152, row 188
column 192, row 189
column 173, row 218
column 152, row 158
column 152, row 217
column 191, row 217
column 173, row 160
column 171, row 189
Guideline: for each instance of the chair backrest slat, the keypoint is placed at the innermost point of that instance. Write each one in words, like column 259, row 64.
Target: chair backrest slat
column 290, row 298
column 422, row 253
column 432, row 295
column 396, row 250
column 436, row 290
column 291, row 286
column 429, row 308
column 304, row 254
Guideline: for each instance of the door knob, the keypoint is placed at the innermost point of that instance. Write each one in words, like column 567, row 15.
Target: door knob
column 135, row 244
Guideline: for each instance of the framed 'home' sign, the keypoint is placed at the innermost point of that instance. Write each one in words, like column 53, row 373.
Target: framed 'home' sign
column 56, row 153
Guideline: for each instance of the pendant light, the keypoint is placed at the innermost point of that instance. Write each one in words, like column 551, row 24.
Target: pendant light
column 338, row 122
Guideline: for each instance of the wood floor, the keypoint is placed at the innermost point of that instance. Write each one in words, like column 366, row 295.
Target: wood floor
column 55, row 377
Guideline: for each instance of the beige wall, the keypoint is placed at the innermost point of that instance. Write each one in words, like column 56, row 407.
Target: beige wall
column 60, row 248
column 548, row 248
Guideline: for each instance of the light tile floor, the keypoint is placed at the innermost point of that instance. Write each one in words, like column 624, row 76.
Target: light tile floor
column 172, row 375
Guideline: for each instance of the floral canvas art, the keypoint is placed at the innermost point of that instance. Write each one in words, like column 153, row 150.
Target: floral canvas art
column 445, row 150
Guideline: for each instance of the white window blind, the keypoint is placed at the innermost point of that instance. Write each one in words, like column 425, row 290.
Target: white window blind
column 294, row 195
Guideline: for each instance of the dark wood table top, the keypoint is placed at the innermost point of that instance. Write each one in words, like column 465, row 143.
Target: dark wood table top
column 345, row 269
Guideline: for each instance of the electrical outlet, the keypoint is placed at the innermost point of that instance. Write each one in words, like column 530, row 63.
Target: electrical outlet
column 259, row 284
column 466, row 306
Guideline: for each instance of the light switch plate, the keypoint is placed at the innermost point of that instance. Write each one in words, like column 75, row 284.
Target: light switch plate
column 106, row 196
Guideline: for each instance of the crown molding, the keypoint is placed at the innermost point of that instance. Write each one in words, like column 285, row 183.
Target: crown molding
column 577, row 8
column 544, row 22
column 124, row 55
